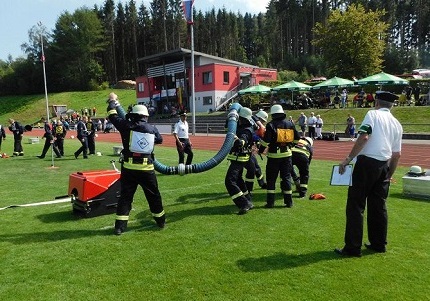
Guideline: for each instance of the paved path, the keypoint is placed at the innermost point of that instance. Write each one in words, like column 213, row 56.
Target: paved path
column 414, row 152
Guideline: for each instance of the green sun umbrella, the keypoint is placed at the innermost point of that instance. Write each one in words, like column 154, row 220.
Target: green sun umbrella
column 334, row 82
column 258, row 89
column 292, row 86
column 382, row 79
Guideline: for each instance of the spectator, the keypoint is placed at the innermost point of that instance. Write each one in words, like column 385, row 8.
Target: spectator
column 402, row 98
column 312, row 125
column 343, row 98
column 302, row 121
column 369, row 100
column 417, row 92
column 318, row 127
column 350, row 127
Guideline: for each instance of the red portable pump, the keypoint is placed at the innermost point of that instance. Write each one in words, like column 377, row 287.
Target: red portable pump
column 94, row 193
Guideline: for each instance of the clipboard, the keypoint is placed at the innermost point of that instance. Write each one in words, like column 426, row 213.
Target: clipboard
column 337, row 179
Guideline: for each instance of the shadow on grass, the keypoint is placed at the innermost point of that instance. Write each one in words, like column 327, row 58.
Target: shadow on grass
column 59, row 235
column 281, row 261
column 401, row 196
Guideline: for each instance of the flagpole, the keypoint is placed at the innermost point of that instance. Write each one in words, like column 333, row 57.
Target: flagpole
column 193, row 88
column 46, row 89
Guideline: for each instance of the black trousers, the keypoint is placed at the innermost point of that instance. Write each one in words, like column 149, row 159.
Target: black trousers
column 369, row 185
column 130, row 179
column 312, row 133
column 283, row 167
column 302, row 162
column 92, row 145
column 17, row 146
column 185, row 150
column 235, row 184
column 253, row 170
column 48, row 143
column 84, row 147
column 59, row 142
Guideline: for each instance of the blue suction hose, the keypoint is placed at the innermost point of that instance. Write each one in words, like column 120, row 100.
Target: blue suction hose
column 182, row 169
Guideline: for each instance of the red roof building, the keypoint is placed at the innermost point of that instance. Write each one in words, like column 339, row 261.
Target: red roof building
column 165, row 80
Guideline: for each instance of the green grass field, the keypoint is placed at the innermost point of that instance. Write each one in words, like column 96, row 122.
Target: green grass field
column 206, row 251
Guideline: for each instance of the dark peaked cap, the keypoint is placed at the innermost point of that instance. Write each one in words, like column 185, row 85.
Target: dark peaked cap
column 386, row 96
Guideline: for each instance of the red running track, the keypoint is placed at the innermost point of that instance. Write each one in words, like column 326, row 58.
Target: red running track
column 414, row 152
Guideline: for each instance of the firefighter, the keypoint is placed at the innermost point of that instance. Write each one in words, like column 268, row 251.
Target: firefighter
column 17, row 129
column 82, row 134
column 2, row 135
column 302, row 157
column 239, row 156
column 138, row 139
column 279, row 137
column 91, row 127
column 253, row 169
column 60, row 132
column 49, row 140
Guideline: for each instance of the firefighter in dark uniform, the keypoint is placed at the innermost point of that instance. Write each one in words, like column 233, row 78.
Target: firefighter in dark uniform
column 2, row 135
column 60, row 132
column 137, row 168
column 91, row 128
column 239, row 156
column 49, row 140
column 253, row 169
column 302, row 157
column 378, row 149
column 17, row 129
column 279, row 137
column 82, row 135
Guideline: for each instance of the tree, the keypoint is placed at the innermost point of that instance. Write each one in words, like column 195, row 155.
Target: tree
column 77, row 38
column 350, row 46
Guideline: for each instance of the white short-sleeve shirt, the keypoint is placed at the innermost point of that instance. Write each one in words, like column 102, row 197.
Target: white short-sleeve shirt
column 386, row 136
column 181, row 129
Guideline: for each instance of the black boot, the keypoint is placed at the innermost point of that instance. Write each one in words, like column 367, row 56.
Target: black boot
column 120, row 227
column 270, row 200
column 161, row 221
column 288, row 200
column 262, row 184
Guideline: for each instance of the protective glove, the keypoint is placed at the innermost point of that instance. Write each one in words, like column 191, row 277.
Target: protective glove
column 238, row 143
column 112, row 105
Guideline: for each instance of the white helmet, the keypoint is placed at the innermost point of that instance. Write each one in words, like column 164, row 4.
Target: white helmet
column 416, row 171
column 310, row 141
column 140, row 110
column 262, row 115
column 113, row 96
column 276, row 109
column 245, row 113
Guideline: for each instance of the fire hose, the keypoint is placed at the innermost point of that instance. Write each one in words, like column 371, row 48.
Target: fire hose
column 182, row 169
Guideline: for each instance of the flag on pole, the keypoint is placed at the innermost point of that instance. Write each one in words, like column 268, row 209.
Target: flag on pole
column 187, row 8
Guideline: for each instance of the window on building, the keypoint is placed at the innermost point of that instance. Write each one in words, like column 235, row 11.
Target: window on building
column 140, row 87
column 207, row 100
column 207, row 77
column 226, row 77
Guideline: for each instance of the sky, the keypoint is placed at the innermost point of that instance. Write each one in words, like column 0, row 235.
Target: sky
column 17, row 17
